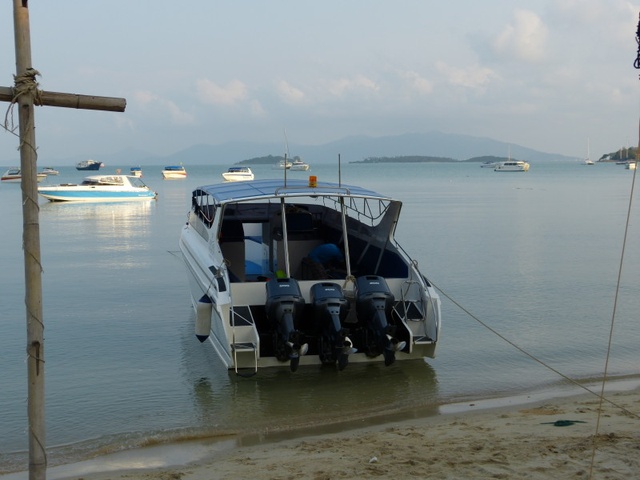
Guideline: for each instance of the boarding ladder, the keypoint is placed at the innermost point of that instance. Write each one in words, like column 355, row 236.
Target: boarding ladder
column 413, row 311
column 243, row 339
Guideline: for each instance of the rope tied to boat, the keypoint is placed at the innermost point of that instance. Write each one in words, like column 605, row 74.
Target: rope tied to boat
column 636, row 63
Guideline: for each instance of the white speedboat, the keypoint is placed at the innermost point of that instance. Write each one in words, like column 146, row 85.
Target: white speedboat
column 282, row 164
column 265, row 297
column 14, row 175
column 173, row 172
column 136, row 171
column 49, row 171
column 512, row 166
column 99, row 188
column 299, row 165
column 488, row 164
column 238, row 174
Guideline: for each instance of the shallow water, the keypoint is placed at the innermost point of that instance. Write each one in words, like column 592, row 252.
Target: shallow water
column 534, row 256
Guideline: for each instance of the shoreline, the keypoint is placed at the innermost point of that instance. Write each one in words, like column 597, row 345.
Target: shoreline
column 510, row 437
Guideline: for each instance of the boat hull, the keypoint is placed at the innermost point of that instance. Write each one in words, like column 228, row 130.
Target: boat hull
column 230, row 177
column 89, row 167
column 17, row 179
column 71, row 194
column 174, row 175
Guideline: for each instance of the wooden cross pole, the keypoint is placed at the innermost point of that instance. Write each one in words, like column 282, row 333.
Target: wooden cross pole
column 26, row 94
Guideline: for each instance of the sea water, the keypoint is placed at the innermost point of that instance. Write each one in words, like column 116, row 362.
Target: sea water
column 528, row 265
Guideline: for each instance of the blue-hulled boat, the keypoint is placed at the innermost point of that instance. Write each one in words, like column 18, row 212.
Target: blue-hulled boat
column 89, row 165
column 99, row 188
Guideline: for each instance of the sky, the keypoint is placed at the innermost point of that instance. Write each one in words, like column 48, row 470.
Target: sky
column 552, row 75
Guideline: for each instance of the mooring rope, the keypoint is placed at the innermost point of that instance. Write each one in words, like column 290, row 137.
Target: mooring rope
column 525, row 352
column 636, row 65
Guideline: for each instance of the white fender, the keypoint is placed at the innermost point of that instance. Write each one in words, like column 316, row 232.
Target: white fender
column 203, row 318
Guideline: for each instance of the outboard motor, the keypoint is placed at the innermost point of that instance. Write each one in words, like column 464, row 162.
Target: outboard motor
column 330, row 309
column 374, row 301
column 284, row 307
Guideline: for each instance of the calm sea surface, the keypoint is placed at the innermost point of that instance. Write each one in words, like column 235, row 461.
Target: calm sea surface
column 535, row 256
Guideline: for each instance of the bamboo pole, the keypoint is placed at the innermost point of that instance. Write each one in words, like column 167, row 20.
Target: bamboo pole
column 71, row 100
column 26, row 94
column 31, row 246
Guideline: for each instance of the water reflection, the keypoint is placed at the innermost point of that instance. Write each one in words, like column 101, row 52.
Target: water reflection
column 102, row 228
column 314, row 396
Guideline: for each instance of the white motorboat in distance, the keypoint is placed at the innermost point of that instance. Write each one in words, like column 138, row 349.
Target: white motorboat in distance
column 489, row 164
column 136, row 171
column 238, row 174
column 299, row 165
column 512, row 166
column 304, row 274
column 14, row 175
column 282, row 164
column 99, row 188
column 174, row 172
column 49, row 171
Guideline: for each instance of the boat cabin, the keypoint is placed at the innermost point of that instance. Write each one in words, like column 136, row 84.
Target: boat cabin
column 262, row 237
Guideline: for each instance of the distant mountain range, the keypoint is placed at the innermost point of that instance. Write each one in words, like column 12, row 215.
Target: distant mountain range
column 351, row 149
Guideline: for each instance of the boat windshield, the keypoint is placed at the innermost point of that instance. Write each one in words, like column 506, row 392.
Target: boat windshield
column 110, row 180
column 136, row 182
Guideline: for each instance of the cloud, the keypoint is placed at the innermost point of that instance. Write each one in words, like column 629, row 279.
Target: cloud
column 210, row 92
column 417, row 82
column 359, row 83
column 175, row 113
column 524, row 39
column 472, row 77
column 256, row 109
column 289, row 93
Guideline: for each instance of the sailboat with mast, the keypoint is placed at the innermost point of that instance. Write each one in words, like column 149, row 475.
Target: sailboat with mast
column 588, row 161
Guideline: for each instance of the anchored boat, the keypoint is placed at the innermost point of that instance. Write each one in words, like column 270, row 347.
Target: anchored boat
column 99, row 188
column 238, row 174
column 14, row 175
column 288, row 274
column 173, row 172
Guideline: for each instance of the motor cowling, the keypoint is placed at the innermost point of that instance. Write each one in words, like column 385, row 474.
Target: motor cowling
column 374, row 302
column 330, row 309
column 284, row 307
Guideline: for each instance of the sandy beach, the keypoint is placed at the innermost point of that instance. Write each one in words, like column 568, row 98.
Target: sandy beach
column 554, row 438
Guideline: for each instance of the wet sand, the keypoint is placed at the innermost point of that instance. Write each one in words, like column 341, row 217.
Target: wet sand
column 575, row 436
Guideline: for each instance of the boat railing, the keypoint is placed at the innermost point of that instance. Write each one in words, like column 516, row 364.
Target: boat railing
column 324, row 190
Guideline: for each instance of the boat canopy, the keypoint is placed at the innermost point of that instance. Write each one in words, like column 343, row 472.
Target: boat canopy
column 223, row 193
